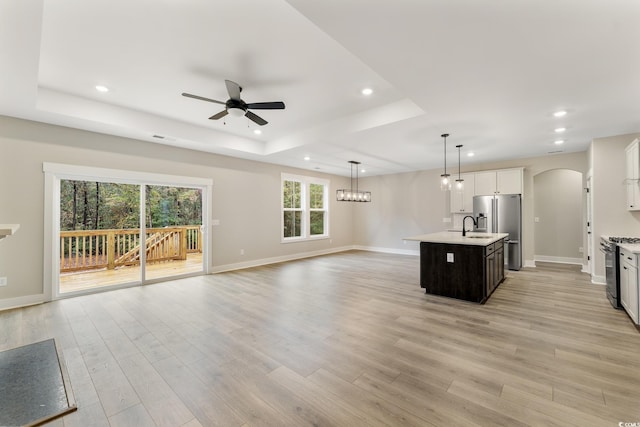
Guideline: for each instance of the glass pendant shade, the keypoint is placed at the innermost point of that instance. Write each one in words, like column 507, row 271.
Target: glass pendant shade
column 445, row 182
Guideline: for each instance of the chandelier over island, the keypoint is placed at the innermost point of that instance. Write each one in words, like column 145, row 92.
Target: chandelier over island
column 459, row 181
column 353, row 194
column 445, row 178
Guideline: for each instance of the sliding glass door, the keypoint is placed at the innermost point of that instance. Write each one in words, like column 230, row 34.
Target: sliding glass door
column 112, row 229
column 99, row 235
column 173, row 221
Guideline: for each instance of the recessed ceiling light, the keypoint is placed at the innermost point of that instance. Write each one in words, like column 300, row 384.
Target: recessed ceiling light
column 559, row 141
column 367, row 91
column 560, row 130
column 471, row 154
column 257, row 131
column 561, row 113
column 101, row 88
column 307, row 158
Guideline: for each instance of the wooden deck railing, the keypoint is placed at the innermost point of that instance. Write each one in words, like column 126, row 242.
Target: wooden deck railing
column 93, row 249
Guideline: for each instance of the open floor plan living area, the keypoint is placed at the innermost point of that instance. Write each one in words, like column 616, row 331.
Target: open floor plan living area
column 324, row 213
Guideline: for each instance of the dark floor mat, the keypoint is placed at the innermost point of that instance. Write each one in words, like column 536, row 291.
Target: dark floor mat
column 33, row 385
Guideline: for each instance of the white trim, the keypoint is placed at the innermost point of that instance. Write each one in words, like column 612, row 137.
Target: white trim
column 529, row 263
column 275, row 260
column 557, row 259
column 598, row 280
column 89, row 173
column 9, row 303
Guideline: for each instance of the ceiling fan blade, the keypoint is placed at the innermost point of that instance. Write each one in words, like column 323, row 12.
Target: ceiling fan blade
column 255, row 118
column 234, row 89
column 202, row 98
column 266, row 105
column 220, row 115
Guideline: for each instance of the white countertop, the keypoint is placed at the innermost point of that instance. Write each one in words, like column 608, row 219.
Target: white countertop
column 630, row 247
column 8, row 229
column 480, row 239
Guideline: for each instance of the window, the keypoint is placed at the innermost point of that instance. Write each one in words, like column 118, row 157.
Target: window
column 305, row 207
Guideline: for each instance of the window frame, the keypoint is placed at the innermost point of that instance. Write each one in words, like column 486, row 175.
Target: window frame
column 305, row 207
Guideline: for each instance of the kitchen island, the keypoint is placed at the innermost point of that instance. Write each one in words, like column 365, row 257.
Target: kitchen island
column 464, row 267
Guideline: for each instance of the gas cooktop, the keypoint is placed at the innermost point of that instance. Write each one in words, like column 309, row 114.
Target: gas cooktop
column 624, row 239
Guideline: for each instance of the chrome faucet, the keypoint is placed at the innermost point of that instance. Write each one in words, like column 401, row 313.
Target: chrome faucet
column 464, row 230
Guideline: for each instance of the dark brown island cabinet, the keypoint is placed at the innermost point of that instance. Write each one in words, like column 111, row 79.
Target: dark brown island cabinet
column 468, row 268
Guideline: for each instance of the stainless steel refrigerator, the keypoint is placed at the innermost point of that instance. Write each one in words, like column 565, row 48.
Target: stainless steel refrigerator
column 502, row 214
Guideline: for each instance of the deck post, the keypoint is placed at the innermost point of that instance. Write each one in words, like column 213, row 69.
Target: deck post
column 111, row 250
column 183, row 243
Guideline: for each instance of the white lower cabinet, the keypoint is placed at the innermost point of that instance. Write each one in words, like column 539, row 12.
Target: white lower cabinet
column 629, row 283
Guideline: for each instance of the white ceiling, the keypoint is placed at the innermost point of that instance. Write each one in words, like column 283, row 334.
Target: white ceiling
column 491, row 73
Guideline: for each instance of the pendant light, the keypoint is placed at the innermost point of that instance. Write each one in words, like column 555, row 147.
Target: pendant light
column 445, row 178
column 459, row 181
column 353, row 194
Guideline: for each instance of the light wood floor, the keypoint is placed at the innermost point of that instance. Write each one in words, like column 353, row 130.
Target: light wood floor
column 342, row 340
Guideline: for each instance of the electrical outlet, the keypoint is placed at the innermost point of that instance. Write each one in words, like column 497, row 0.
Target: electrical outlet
column 215, row 222
column 241, row 251
column 3, row 281
column 580, row 249
column 446, row 219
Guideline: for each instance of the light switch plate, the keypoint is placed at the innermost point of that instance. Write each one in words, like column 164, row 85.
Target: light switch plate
column 449, row 257
column 3, row 281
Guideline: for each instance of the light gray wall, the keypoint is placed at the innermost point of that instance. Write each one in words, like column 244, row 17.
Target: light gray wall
column 412, row 203
column 610, row 215
column 558, row 198
column 402, row 205
column 246, row 196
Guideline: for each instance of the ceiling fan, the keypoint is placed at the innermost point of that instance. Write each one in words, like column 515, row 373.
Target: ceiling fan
column 237, row 107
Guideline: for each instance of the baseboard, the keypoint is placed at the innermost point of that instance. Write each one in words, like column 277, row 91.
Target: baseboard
column 275, row 260
column 388, row 250
column 9, row 303
column 558, row 259
column 529, row 263
column 598, row 280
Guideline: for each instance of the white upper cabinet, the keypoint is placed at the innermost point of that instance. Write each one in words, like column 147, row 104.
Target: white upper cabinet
column 633, row 176
column 504, row 181
column 462, row 202
column 486, row 183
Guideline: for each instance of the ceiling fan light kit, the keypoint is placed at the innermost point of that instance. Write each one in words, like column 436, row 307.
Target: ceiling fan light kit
column 236, row 107
column 351, row 194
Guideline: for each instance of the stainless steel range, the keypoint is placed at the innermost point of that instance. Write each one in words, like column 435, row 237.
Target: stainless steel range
column 609, row 246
